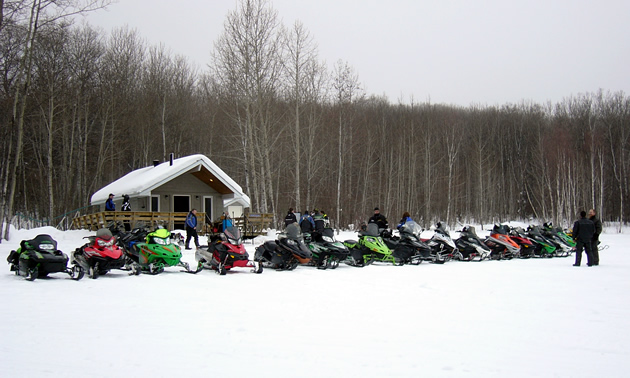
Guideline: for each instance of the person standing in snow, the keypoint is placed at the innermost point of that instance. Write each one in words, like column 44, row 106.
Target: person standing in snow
column 598, row 230
column 290, row 218
column 379, row 219
column 318, row 221
column 306, row 222
column 326, row 219
column 109, row 204
column 191, row 228
column 583, row 230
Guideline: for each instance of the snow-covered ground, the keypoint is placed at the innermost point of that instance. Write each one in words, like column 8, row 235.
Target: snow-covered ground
column 535, row 317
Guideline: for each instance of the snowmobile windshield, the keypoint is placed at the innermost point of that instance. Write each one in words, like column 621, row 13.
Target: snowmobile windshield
column 473, row 234
column 43, row 243
column 500, row 229
column 160, row 233
column 328, row 235
column 411, row 227
column 233, row 235
column 519, row 230
column 441, row 229
column 292, row 231
column 160, row 236
column 372, row 230
column 104, row 233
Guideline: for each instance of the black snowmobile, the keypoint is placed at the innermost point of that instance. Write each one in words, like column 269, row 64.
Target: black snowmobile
column 543, row 247
column 39, row 257
column 286, row 253
column 470, row 247
column 327, row 252
column 442, row 245
column 408, row 248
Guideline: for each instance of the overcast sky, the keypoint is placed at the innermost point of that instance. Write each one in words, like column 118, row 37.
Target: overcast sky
column 449, row 51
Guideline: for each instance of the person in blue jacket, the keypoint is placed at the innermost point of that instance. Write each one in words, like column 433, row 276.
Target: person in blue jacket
column 227, row 221
column 110, row 205
column 191, row 228
column 306, row 222
column 405, row 218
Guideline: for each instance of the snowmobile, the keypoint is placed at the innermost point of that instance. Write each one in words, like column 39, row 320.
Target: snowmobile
column 327, row 252
column 470, row 247
column 226, row 252
column 500, row 243
column 126, row 239
column 408, row 248
column 287, row 252
column 101, row 255
column 442, row 245
column 369, row 248
column 38, row 257
column 526, row 245
column 543, row 247
column 557, row 234
column 157, row 252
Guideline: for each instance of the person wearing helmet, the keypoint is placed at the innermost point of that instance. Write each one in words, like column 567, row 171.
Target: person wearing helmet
column 126, row 207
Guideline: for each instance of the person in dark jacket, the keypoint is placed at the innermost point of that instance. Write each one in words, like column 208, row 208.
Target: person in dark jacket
column 110, row 205
column 126, row 207
column 306, row 222
column 583, row 230
column 405, row 218
column 319, row 221
column 378, row 218
column 592, row 215
column 191, row 228
column 290, row 218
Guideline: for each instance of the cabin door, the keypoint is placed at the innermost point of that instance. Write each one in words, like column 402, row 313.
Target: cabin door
column 181, row 204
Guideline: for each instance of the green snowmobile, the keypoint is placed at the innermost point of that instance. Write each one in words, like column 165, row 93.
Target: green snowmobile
column 39, row 257
column 369, row 248
column 327, row 252
column 567, row 244
column 157, row 253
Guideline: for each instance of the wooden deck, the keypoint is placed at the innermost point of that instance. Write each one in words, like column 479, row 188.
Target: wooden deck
column 252, row 224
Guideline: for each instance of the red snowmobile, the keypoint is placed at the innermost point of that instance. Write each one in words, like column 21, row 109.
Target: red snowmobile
column 226, row 252
column 100, row 255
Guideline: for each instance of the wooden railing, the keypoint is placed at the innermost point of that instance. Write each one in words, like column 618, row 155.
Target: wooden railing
column 251, row 224
column 150, row 219
column 254, row 224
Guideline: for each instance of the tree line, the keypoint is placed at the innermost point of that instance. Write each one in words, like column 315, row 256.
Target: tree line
column 79, row 108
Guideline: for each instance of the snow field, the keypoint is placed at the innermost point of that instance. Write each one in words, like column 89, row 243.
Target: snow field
column 534, row 317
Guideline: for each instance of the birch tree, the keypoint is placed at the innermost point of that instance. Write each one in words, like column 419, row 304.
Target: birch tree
column 246, row 63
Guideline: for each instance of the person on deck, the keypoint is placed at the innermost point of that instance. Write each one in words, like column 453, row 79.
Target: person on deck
column 110, row 205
